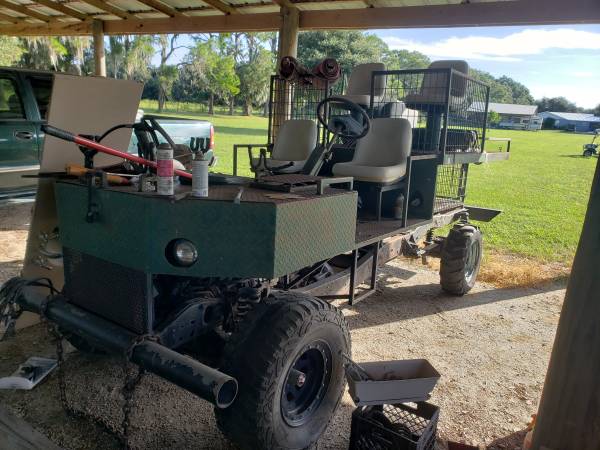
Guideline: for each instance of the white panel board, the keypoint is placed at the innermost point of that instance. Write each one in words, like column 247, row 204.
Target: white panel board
column 89, row 105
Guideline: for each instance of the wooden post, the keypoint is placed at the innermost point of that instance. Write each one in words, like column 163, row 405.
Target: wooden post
column 99, row 57
column 287, row 46
column 569, row 413
column 288, row 32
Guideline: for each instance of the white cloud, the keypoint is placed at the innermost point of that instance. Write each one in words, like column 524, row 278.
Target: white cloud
column 582, row 74
column 510, row 48
column 583, row 95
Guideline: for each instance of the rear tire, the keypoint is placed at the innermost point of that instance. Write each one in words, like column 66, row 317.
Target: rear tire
column 287, row 360
column 588, row 153
column 461, row 259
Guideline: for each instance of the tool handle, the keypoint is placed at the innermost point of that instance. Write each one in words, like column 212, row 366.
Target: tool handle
column 80, row 140
column 57, row 132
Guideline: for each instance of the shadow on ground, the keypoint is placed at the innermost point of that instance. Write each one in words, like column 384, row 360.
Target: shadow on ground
column 409, row 301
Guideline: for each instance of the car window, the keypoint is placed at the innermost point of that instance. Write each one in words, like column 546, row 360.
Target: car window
column 11, row 106
column 42, row 89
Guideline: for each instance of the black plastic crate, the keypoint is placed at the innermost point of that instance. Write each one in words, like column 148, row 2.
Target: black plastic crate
column 394, row 427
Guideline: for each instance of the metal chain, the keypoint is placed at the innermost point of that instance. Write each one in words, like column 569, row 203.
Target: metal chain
column 127, row 391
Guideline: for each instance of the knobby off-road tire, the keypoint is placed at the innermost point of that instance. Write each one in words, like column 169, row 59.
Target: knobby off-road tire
column 461, row 259
column 286, row 335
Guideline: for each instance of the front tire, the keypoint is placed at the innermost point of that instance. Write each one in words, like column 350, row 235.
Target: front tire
column 287, row 358
column 461, row 259
column 588, row 153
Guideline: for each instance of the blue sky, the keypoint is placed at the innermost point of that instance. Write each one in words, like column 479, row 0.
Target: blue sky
column 550, row 60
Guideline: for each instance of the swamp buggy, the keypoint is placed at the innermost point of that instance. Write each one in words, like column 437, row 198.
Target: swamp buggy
column 229, row 296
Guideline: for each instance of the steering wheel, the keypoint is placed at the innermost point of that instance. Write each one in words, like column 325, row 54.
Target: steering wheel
column 350, row 106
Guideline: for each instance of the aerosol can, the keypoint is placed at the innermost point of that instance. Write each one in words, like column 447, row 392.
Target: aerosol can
column 164, row 170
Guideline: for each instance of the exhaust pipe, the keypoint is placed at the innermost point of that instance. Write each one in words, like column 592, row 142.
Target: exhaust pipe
column 204, row 381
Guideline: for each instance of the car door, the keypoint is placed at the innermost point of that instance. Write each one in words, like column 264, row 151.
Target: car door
column 19, row 147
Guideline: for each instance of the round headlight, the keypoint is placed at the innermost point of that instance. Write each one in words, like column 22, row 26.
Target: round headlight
column 182, row 253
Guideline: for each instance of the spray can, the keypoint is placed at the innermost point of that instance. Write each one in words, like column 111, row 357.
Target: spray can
column 164, row 170
column 200, row 178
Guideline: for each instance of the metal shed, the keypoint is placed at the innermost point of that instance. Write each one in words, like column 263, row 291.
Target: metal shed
column 580, row 122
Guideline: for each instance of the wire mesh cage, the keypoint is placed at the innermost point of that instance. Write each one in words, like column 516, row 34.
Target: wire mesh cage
column 451, row 187
column 446, row 108
column 296, row 100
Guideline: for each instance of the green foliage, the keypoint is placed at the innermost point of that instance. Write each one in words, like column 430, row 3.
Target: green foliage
column 350, row 48
column 254, row 79
column 493, row 118
column 405, row 59
column 504, row 89
column 557, row 104
column 214, row 69
column 11, row 50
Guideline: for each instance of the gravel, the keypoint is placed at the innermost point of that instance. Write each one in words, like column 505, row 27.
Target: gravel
column 491, row 346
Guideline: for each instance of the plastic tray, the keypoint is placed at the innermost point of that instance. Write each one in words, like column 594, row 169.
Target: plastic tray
column 391, row 382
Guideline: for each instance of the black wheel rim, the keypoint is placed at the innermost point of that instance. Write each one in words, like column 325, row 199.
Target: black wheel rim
column 472, row 262
column 306, row 383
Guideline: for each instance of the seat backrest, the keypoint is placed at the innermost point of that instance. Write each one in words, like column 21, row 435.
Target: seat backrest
column 296, row 139
column 387, row 144
column 360, row 80
column 440, row 80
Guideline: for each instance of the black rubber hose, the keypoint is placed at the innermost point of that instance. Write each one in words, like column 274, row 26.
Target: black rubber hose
column 57, row 132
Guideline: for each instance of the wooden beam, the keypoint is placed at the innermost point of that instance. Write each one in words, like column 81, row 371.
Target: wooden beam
column 99, row 57
column 502, row 13
column 104, row 6
column 519, row 12
column 48, row 29
column 63, row 9
column 24, row 10
column 161, row 7
column 569, row 417
column 198, row 24
column 10, row 19
column 225, row 8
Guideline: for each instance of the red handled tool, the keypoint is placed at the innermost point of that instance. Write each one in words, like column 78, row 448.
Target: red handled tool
column 79, row 140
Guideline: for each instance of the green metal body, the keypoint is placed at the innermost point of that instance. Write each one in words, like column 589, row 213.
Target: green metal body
column 252, row 239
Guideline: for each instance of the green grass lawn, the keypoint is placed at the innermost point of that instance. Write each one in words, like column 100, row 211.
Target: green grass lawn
column 543, row 188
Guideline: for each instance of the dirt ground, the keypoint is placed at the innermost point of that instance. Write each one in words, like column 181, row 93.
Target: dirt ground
column 491, row 347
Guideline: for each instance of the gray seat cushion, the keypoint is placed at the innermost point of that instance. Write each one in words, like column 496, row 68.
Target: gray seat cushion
column 381, row 156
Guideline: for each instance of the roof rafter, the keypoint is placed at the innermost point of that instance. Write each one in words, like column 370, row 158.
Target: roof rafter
column 103, row 5
column 162, row 7
column 11, row 19
column 225, row 8
column 24, row 10
column 67, row 11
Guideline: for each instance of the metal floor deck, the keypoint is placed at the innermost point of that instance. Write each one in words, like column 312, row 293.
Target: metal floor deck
column 369, row 231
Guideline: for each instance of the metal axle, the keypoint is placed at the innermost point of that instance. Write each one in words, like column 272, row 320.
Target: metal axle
column 204, row 381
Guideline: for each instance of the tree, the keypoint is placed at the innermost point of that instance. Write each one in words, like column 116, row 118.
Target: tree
column 215, row 71
column 167, row 74
column 405, row 59
column 557, row 104
column 10, row 50
column 349, row 48
column 254, row 79
column 519, row 92
column 494, row 118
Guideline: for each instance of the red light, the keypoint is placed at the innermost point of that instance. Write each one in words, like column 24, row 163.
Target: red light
column 211, row 144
